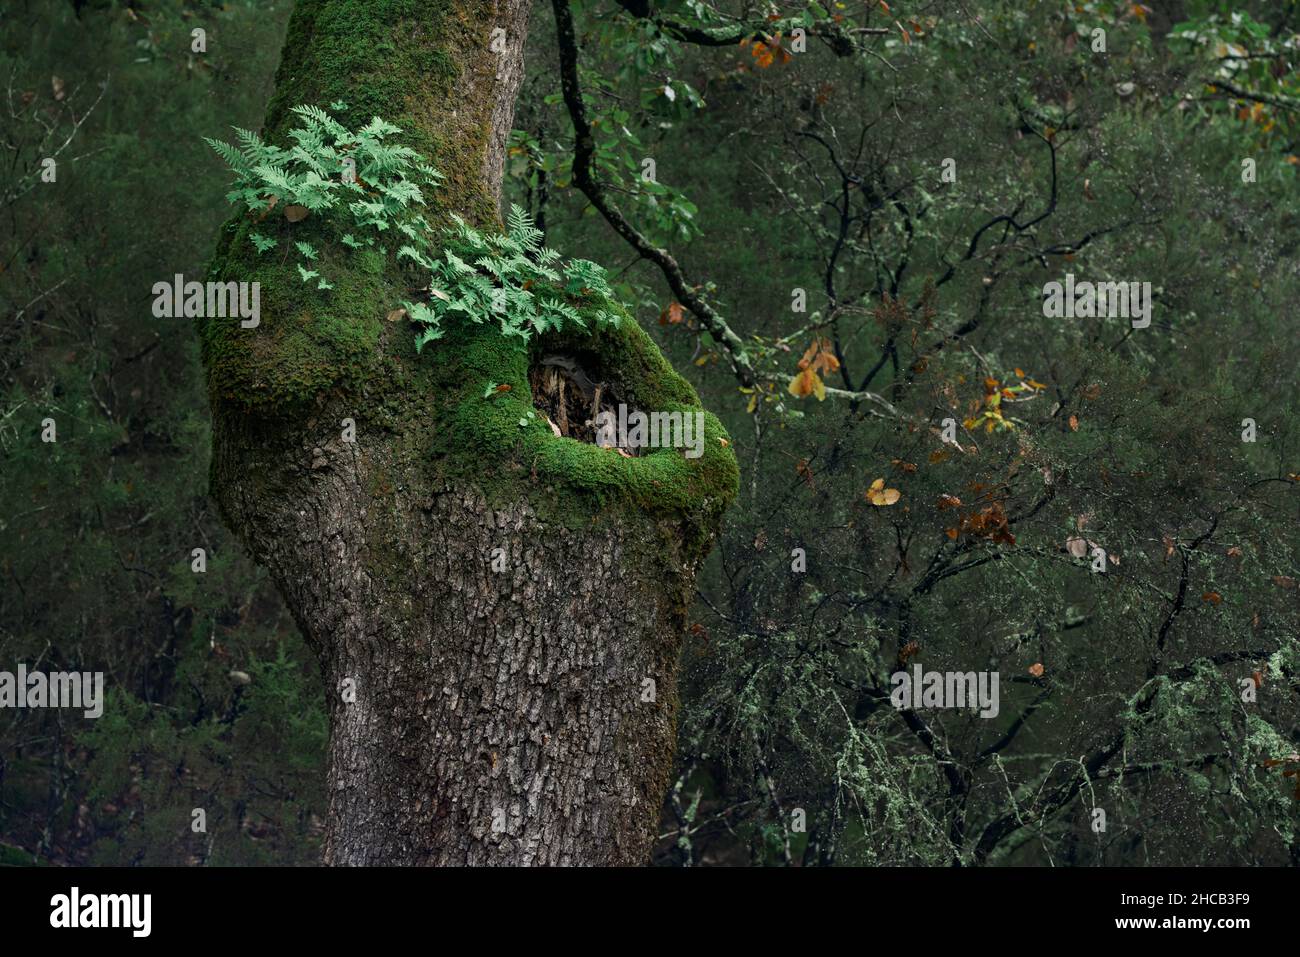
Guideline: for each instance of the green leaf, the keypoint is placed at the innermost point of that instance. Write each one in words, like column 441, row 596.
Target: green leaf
column 261, row 242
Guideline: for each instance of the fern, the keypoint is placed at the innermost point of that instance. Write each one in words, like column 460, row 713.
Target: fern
column 493, row 277
column 261, row 242
column 313, row 174
column 508, row 278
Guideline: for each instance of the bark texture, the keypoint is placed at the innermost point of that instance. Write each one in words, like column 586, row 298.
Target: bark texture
column 498, row 614
column 493, row 717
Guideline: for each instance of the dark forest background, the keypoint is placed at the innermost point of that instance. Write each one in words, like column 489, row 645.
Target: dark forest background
column 777, row 169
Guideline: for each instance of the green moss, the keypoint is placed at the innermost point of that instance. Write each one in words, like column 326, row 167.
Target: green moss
column 474, row 430
column 309, row 340
column 400, row 59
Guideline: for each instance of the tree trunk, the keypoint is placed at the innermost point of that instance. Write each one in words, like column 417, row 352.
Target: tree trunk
column 498, row 612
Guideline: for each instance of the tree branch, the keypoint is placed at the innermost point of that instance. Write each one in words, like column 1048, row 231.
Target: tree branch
column 583, row 178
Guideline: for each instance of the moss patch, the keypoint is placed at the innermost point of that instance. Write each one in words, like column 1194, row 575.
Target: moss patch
column 405, row 60
column 399, row 59
column 309, row 340
column 474, row 430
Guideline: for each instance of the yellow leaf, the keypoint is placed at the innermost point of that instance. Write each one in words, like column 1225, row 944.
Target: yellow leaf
column 879, row 495
column 807, row 383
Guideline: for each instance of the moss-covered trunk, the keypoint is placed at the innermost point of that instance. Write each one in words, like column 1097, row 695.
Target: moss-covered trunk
column 498, row 611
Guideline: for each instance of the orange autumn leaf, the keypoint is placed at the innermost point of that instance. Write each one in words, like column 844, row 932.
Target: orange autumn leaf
column 948, row 501
column 818, row 360
column 802, row 470
column 1212, row 597
column 1074, row 422
column 1036, row 669
column 990, row 522
column 807, row 383
column 765, row 54
column 672, row 315
column 820, row 356
column 879, row 495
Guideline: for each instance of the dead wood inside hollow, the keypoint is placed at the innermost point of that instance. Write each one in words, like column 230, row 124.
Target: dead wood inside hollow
column 572, row 393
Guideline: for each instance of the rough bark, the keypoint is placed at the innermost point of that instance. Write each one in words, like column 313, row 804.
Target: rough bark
column 478, row 715
column 497, row 717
